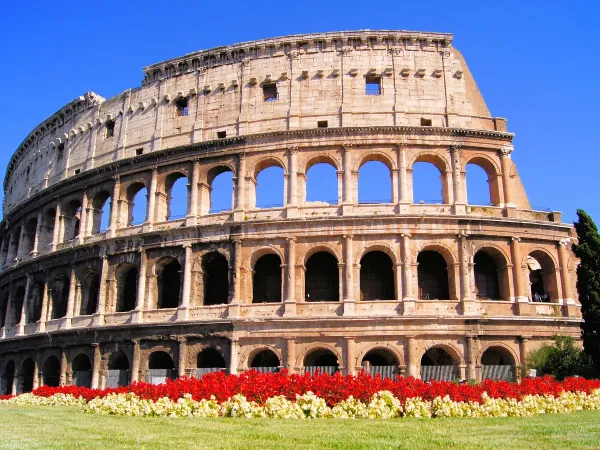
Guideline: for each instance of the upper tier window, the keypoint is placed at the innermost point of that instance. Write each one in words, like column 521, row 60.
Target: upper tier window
column 373, row 85
column 270, row 92
column 182, row 107
column 110, row 128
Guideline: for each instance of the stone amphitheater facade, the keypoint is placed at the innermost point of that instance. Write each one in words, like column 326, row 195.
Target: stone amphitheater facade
column 394, row 288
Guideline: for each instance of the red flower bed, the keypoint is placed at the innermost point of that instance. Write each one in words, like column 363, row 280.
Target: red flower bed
column 333, row 388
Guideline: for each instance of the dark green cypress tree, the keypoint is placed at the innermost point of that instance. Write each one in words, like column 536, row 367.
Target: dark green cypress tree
column 588, row 283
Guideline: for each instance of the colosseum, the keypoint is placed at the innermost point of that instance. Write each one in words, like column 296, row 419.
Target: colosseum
column 90, row 295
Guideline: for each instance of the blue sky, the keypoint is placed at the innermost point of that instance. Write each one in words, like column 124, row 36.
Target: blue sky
column 535, row 63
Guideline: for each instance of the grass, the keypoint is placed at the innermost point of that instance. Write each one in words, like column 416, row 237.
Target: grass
column 63, row 427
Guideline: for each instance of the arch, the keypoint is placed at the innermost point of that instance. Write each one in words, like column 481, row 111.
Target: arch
column 506, row 353
column 380, row 362
column 270, row 187
column 18, row 301
column 375, row 181
column 221, row 188
column 386, row 349
column 13, row 246
column 440, row 362
column 381, row 157
column 210, row 358
column 118, row 370
column 127, row 285
column 267, row 279
column 322, row 359
column 498, row 362
column 51, row 371
column 265, row 359
column 29, row 236
column 71, row 219
column 321, row 278
column 377, row 281
column 432, row 273
column 160, row 367
column 4, row 309
column 118, row 361
column 47, row 229
column 215, row 270
column 266, row 162
column 177, row 200
column 27, row 373
column 102, row 207
column 90, row 293
column 436, row 159
column 82, row 370
column 321, row 182
column 249, row 355
column 487, row 285
column 168, row 283
column 60, row 295
column 35, row 301
column 322, row 158
column 8, row 378
column 137, row 199
column 490, row 182
column 543, row 280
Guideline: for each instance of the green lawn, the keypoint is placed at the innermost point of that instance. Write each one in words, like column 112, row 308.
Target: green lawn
column 62, row 427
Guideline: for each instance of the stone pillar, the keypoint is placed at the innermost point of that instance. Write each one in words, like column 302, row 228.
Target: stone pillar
column 152, row 194
column 135, row 361
column 103, row 293
column 403, row 194
column 183, row 310
column 411, row 357
column 466, row 294
column 349, row 300
column 470, row 357
column 240, row 189
column 140, row 305
column 114, row 207
column 63, row 367
column 38, row 234
column 523, row 350
column 20, row 246
column 57, row 234
column 96, row 366
column 192, row 217
column 234, row 306
column 515, row 250
column 457, row 187
column 407, row 269
column 36, row 370
column 41, row 325
column 395, row 188
column 563, row 258
column 182, row 354
column 292, row 201
column 290, row 355
column 290, row 278
column 348, row 204
column 14, row 390
column 24, row 308
column 71, row 299
column 83, row 219
column 233, row 356
column 350, row 356
column 505, row 162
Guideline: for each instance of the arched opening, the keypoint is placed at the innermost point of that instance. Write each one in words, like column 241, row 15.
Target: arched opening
column 478, row 186
column 437, row 364
column 270, row 188
column 542, row 277
column 101, row 212
column 13, row 246
column 137, row 196
column 91, row 293
column 321, row 360
column 127, row 280
column 160, row 368
column 321, row 278
column 220, row 185
column 47, row 230
column 82, row 371
column 27, row 372
column 168, row 283
column 266, row 286
column 209, row 360
column 432, row 276
column 8, row 378
column 497, row 363
column 60, row 296
column 376, row 277
column 118, row 370
column 374, row 183
column 380, row 362
column 51, row 372
column 322, row 184
column 29, row 236
column 177, row 196
column 4, row 309
column 427, row 183
column 35, row 302
column 18, row 301
column 72, row 220
column 487, row 286
column 265, row 361
column 216, row 279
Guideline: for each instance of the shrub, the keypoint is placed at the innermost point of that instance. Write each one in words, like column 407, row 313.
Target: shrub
column 560, row 359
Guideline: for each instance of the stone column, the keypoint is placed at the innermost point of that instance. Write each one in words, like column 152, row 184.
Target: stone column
column 409, row 295
column 348, row 204
column 24, row 308
column 83, row 219
column 292, row 201
column 63, row 367
column 57, row 234
column 182, row 354
column 96, row 366
column 395, row 188
column 523, row 350
column 505, row 162
column 466, row 296
column 234, row 306
column 403, row 194
column 233, row 357
column 140, row 304
column 515, row 250
column 240, row 189
column 411, row 357
column 14, row 390
column 349, row 300
column 471, row 375
column 290, row 278
column 103, row 293
column 135, row 361
column 20, row 246
column 350, row 362
column 183, row 310
column 152, row 194
column 41, row 325
column 457, row 187
column 36, row 370
column 192, row 217
column 563, row 257
column 38, row 233
column 290, row 350
column 114, row 207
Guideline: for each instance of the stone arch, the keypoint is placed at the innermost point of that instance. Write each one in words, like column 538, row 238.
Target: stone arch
column 100, row 201
column 34, row 301
column 321, row 247
column 265, row 250
column 251, row 352
column 483, row 278
column 322, row 158
column 51, row 371
column 266, row 162
column 135, row 192
column 377, row 247
column 263, row 164
column 381, row 347
column 18, row 302
column 90, row 292
column 321, row 184
column 47, row 234
column 210, row 193
column 61, row 287
column 423, row 274
column 215, row 277
column 494, row 345
column 8, row 377
column 118, row 368
column 451, row 349
column 267, row 279
column 71, row 219
column 440, row 362
column 543, row 281
column 126, row 277
column 265, row 360
column 374, row 183
column 321, row 277
column 30, row 228
column 377, row 276
column 166, row 204
column 439, row 161
column 493, row 173
column 81, row 367
column 168, row 277
column 443, row 167
column 302, row 359
column 381, row 157
column 26, row 375
column 497, row 362
column 211, row 358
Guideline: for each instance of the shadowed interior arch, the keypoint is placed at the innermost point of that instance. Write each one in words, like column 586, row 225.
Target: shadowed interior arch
column 322, row 278
column 266, row 286
column 376, row 277
column 432, row 276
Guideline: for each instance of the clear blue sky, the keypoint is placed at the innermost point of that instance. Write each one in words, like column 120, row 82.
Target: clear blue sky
column 536, row 63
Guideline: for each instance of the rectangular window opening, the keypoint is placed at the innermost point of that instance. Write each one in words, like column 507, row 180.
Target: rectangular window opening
column 139, row 151
column 373, row 85
column 182, row 106
column 270, row 92
column 60, row 150
column 110, row 128
column 221, row 134
column 77, row 171
column 322, row 124
column 425, row 122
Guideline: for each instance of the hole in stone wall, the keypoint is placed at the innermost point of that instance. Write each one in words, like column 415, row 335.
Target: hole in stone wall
column 432, row 276
column 267, row 280
column 374, row 183
column 221, row 134
column 270, row 92
column 216, row 279
column 376, row 277
column 110, row 128
column 181, row 105
column 210, row 358
column 322, row 278
column 486, row 277
column 322, row 124
column 425, row 122
column 169, row 284
column 373, row 85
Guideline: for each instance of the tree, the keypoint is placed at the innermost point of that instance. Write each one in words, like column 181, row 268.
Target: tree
column 588, row 283
column 560, row 359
